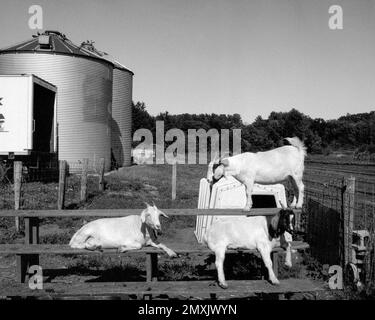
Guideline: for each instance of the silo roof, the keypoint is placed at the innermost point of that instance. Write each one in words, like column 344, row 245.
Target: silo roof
column 56, row 42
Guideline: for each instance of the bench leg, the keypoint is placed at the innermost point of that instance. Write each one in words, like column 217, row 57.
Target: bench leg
column 151, row 267
column 275, row 263
column 23, row 263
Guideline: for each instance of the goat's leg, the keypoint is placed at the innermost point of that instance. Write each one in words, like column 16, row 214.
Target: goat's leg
column 249, row 184
column 265, row 251
column 219, row 263
column 127, row 247
column 285, row 239
column 300, row 187
column 295, row 192
column 163, row 247
column 92, row 244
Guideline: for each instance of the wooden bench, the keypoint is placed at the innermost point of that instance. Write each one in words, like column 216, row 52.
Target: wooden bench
column 28, row 253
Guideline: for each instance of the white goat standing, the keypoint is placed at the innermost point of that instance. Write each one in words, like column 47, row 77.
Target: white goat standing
column 241, row 232
column 269, row 167
column 125, row 233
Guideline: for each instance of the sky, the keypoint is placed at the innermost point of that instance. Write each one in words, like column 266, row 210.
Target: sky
column 221, row 56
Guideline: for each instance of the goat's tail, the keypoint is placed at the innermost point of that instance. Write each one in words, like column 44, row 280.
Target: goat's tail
column 79, row 238
column 296, row 142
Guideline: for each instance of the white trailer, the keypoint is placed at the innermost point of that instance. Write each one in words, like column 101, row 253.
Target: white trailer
column 27, row 116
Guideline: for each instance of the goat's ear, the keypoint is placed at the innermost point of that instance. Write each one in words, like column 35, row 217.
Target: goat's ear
column 148, row 206
column 216, row 158
column 163, row 214
column 225, row 162
column 275, row 222
column 143, row 215
column 282, row 205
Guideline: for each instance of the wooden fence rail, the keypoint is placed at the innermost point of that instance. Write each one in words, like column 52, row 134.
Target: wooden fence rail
column 127, row 212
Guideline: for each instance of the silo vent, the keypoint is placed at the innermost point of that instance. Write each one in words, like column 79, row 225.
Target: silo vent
column 44, row 42
column 89, row 45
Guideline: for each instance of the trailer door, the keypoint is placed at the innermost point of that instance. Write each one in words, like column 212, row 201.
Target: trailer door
column 43, row 117
column 16, row 115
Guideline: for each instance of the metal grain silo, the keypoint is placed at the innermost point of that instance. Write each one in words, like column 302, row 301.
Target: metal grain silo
column 122, row 114
column 84, row 93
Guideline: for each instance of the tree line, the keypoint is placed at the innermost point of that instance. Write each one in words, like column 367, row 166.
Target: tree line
column 352, row 132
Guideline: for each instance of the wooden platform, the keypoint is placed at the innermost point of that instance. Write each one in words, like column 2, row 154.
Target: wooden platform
column 164, row 289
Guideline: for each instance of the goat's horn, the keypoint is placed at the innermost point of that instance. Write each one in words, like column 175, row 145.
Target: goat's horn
column 216, row 159
column 282, row 205
column 163, row 214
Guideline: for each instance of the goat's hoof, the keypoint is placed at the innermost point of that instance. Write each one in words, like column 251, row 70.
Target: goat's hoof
column 223, row 285
column 275, row 282
column 288, row 264
column 246, row 209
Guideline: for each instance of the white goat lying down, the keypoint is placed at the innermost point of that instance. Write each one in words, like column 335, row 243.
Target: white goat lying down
column 126, row 233
column 269, row 167
column 258, row 232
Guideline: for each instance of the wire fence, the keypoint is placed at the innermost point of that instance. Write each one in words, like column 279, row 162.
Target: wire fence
column 339, row 216
column 323, row 219
column 364, row 231
column 40, row 186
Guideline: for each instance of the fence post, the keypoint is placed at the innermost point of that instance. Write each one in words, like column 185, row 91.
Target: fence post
column 17, row 190
column 85, row 166
column 62, row 182
column 174, row 180
column 101, row 174
column 348, row 218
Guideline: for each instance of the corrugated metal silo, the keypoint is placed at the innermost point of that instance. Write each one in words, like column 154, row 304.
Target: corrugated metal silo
column 122, row 115
column 84, row 82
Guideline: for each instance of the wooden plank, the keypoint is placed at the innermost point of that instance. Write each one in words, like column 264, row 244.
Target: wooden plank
column 24, row 261
column 348, row 207
column 178, row 248
column 127, row 212
column 187, row 289
column 31, row 230
column 152, row 267
column 62, row 183
column 85, row 167
column 275, row 262
column 17, row 190
column 21, row 268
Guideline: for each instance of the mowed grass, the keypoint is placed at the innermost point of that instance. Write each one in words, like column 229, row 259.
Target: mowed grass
column 132, row 186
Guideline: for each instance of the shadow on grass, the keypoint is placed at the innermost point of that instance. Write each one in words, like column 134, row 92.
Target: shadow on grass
column 115, row 274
